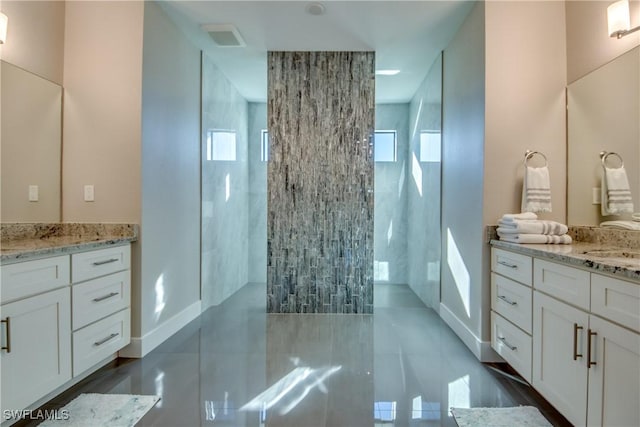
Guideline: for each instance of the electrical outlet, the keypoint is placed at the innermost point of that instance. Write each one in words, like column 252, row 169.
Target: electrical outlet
column 596, row 196
column 33, row 193
column 88, row 193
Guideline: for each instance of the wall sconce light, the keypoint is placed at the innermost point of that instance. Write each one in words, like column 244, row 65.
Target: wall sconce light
column 3, row 27
column 619, row 19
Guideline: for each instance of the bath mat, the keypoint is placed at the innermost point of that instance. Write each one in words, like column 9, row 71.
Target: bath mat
column 97, row 410
column 499, row 417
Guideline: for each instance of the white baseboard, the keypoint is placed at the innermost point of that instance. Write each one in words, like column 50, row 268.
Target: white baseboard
column 481, row 349
column 141, row 346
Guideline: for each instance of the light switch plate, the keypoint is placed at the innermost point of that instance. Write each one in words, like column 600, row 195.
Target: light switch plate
column 595, row 196
column 88, row 193
column 33, row 193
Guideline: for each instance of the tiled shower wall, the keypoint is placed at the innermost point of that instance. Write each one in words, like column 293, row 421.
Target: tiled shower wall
column 225, row 221
column 320, row 182
column 423, row 213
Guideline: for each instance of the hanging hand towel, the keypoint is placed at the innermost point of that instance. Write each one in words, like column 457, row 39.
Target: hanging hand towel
column 616, row 194
column 536, row 190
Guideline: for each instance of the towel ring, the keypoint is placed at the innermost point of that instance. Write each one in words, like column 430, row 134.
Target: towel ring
column 529, row 154
column 605, row 154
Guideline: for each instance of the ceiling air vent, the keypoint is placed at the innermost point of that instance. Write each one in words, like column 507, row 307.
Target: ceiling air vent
column 224, row 35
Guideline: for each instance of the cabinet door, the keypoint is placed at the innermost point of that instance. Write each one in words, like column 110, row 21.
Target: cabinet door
column 556, row 375
column 614, row 380
column 39, row 360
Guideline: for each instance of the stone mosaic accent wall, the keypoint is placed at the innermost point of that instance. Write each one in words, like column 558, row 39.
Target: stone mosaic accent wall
column 321, row 116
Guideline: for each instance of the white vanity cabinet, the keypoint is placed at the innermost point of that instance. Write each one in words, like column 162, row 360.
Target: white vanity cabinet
column 585, row 343
column 61, row 317
column 101, row 293
column 511, row 296
column 36, row 330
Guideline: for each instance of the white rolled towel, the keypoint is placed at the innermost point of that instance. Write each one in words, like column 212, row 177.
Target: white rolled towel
column 536, row 239
column 532, row 227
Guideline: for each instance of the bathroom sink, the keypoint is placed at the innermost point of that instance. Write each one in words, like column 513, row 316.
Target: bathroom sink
column 621, row 253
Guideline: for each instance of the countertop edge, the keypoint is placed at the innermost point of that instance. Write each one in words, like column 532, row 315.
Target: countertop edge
column 593, row 264
column 33, row 254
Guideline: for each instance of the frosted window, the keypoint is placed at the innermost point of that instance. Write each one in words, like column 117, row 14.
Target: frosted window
column 221, row 145
column 264, row 147
column 430, row 146
column 384, row 143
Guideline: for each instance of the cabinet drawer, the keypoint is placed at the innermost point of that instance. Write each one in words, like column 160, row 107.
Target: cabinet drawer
column 512, row 344
column 88, row 265
column 511, row 265
column 616, row 300
column 512, row 301
column 33, row 277
column 99, row 340
column 566, row 283
column 100, row 297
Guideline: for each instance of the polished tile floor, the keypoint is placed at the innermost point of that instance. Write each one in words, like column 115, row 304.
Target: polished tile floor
column 238, row 366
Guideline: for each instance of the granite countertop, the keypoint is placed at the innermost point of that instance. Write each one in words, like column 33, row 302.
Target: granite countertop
column 23, row 242
column 598, row 257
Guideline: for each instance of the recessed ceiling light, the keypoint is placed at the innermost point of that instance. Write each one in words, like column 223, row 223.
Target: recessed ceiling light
column 315, row 9
column 387, row 72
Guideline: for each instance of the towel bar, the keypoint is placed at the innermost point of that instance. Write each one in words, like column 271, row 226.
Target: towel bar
column 529, row 154
column 605, row 154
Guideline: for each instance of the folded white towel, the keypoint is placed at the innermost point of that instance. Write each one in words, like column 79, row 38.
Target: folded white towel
column 621, row 225
column 532, row 227
column 536, row 190
column 615, row 192
column 536, row 238
column 519, row 216
column 635, row 216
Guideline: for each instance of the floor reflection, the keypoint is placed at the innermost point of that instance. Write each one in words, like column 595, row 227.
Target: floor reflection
column 238, row 366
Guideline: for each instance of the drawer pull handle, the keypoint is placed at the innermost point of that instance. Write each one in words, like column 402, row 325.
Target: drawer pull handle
column 102, row 298
column 508, row 264
column 505, row 342
column 104, row 340
column 590, row 334
column 106, row 261
column 507, row 300
column 575, row 341
column 7, row 322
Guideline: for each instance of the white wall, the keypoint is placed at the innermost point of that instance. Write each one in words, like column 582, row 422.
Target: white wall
column 588, row 44
column 525, row 102
column 169, row 294
column 35, row 37
column 504, row 92
column 462, row 293
column 102, row 105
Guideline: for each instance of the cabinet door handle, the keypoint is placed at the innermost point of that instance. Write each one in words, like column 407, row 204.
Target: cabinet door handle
column 106, row 261
column 7, row 322
column 508, row 264
column 575, row 341
column 507, row 300
column 505, row 342
column 104, row 340
column 590, row 334
column 102, row 298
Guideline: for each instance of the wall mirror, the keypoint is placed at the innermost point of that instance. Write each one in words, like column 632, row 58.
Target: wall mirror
column 30, row 146
column 603, row 115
